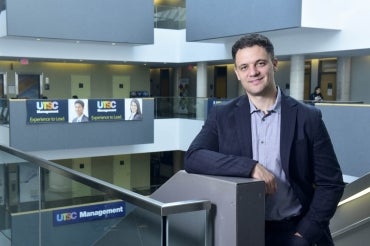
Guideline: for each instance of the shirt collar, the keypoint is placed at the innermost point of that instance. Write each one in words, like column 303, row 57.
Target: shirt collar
column 275, row 108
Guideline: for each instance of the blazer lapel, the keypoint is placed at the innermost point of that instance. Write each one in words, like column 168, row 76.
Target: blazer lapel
column 288, row 123
column 242, row 119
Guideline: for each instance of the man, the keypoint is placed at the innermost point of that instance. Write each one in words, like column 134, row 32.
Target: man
column 79, row 108
column 272, row 137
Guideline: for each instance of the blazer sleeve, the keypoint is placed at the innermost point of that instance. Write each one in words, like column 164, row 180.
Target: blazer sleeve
column 211, row 152
column 327, row 182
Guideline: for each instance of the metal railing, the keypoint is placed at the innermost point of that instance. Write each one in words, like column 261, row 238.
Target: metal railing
column 169, row 17
column 40, row 201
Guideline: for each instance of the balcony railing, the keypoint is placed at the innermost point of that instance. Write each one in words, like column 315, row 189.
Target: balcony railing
column 43, row 203
column 169, row 17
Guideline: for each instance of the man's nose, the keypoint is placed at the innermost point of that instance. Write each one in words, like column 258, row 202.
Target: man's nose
column 253, row 71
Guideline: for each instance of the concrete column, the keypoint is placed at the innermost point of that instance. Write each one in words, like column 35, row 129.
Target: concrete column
column 343, row 78
column 202, row 79
column 297, row 77
column 314, row 74
column 201, row 89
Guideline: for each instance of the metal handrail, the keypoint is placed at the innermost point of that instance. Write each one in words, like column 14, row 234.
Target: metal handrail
column 350, row 227
column 160, row 208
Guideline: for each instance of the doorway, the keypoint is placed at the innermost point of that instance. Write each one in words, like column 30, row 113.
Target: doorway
column 80, row 86
column 328, row 79
column 164, row 78
column 28, row 85
column 121, row 86
column 220, row 88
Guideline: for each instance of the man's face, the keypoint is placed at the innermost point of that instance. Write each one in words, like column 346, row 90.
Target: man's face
column 79, row 109
column 255, row 70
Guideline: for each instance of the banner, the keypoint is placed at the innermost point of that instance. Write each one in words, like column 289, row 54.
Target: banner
column 106, row 109
column 83, row 110
column 47, row 111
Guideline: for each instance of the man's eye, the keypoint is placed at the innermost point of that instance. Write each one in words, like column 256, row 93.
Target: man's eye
column 243, row 67
column 261, row 64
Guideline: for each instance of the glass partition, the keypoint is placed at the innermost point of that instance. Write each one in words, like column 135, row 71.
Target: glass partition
column 170, row 16
column 180, row 107
column 42, row 203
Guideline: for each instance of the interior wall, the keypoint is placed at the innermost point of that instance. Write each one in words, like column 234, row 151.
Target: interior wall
column 59, row 76
column 360, row 79
column 140, row 171
column 223, row 20
column 144, row 78
column 282, row 75
column 122, row 171
column 100, row 166
column 77, row 20
column 82, row 165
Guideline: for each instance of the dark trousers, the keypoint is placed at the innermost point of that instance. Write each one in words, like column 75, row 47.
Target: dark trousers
column 281, row 233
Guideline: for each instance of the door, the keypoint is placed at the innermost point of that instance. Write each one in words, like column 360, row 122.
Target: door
column 121, row 86
column 220, row 82
column 328, row 79
column 80, row 86
column 328, row 86
column 28, row 85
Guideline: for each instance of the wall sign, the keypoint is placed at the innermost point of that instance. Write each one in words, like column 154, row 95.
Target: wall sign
column 89, row 213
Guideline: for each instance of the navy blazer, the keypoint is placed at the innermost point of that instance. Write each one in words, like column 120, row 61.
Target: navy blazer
column 224, row 147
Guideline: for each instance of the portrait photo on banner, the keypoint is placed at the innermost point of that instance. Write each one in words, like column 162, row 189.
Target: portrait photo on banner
column 133, row 109
column 78, row 110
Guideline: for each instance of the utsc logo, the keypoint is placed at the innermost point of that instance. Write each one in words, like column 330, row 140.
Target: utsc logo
column 66, row 216
column 47, row 105
column 106, row 104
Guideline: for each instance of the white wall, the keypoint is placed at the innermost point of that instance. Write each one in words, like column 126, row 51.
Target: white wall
column 360, row 79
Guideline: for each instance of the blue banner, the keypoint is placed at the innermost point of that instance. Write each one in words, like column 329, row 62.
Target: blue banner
column 106, row 109
column 77, row 110
column 89, row 213
column 47, row 111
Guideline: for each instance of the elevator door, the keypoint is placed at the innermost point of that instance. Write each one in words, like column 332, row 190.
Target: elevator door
column 220, row 82
column 328, row 86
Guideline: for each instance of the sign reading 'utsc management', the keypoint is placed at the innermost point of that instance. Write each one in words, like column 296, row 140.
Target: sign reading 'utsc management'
column 89, row 213
column 75, row 110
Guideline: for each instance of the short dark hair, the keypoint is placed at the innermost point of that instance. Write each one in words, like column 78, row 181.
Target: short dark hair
column 250, row 40
column 80, row 102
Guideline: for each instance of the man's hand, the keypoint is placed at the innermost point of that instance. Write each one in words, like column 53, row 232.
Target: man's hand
column 260, row 172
